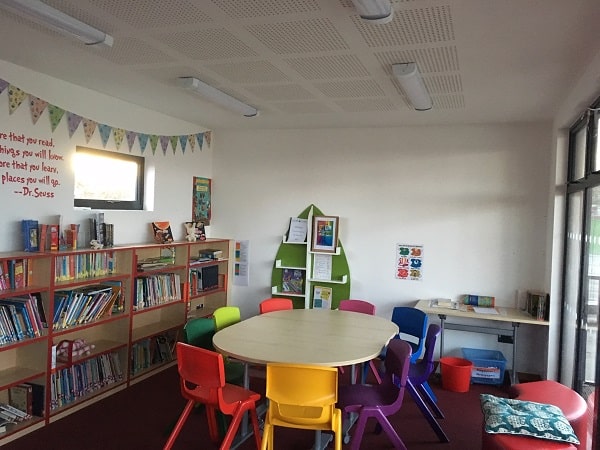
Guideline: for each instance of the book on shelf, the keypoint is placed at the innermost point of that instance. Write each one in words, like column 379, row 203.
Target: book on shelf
column 322, row 297
column 162, row 232
column 38, row 399
column 298, row 230
column 31, row 242
column 538, row 305
column 21, row 397
column 43, row 237
column 53, row 236
column 293, row 281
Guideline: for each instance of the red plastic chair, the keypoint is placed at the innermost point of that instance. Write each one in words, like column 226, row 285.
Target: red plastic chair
column 379, row 401
column 275, row 304
column 202, row 377
column 364, row 307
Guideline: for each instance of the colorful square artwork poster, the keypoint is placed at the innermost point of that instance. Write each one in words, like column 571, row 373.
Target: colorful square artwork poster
column 409, row 262
column 201, row 200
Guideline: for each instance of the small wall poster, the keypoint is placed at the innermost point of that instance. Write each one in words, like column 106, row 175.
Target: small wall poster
column 409, row 262
column 241, row 276
column 202, row 201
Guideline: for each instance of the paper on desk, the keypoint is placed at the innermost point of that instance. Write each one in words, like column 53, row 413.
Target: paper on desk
column 480, row 310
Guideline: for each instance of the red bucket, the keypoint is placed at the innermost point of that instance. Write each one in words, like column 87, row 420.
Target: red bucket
column 456, row 373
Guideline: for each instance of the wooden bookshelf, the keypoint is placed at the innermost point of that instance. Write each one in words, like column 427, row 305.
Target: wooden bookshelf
column 123, row 330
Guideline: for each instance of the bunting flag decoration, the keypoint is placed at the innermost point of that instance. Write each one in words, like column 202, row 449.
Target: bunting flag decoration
column 104, row 133
column 3, row 85
column 143, row 140
column 164, row 143
column 37, row 106
column 89, row 128
column 130, row 139
column 118, row 135
column 56, row 115
column 183, row 142
column 153, row 143
column 73, row 121
column 15, row 98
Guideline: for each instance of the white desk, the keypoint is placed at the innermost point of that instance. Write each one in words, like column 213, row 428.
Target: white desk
column 330, row 338
column 512, row 315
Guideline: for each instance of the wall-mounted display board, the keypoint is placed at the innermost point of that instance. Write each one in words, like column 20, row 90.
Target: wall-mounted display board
column 313, row 276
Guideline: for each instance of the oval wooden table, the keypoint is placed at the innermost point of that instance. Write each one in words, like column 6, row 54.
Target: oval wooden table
column 306, row 336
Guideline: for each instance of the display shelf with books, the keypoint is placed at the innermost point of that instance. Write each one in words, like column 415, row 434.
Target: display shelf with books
column 93, row 302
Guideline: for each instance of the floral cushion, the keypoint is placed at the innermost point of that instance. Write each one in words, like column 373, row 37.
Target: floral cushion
column 520, row 417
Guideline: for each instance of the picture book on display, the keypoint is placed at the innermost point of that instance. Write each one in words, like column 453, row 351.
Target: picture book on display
column 162, row 232
column 31, row 242
column 293, row 281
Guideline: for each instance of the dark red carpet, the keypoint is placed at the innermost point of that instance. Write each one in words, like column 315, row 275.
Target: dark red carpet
column 141, row 417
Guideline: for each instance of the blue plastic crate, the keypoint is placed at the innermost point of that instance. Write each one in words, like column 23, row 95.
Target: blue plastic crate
column 488, row 365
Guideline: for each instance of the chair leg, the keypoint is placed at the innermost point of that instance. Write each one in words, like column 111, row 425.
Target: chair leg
column 391, row 433
column 431, row 401
column 179, row 425
column 236, row 420
column 426, row 412
column 213, row 427
column 375, row 371
column 267, row 437
column 429, row 391
column 358, row 432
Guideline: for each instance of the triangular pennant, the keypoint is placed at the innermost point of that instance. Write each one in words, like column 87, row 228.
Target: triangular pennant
column 153, row 143
column 89, row 127
column 3, row 85
column 164, row 143
column 192, row 140
column 56, row 115
column 73, row 121
column 104, row 133
column 143, row 140
column 118, row 135
column 37, row 106
column 130, row 139
column 208, row 137
column 174, row 141
column 15, row 98
column 183, row 142
column 200, row 139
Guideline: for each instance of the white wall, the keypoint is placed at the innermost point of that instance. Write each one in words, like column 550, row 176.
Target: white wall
column 174, row 172
column 474, row 196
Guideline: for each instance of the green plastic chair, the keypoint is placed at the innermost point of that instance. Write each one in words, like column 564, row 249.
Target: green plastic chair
column 226, row 315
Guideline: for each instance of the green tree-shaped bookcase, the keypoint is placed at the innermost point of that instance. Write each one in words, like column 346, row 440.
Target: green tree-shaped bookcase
column 297, row 257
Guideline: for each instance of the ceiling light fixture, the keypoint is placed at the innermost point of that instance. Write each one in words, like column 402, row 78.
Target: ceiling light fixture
column 374, row 11
column 58, row 21
column 217, row 96
column 412, row 84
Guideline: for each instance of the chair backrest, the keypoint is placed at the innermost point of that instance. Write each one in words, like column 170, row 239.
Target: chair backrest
column 397, row 364
column 275, row 304
column 361, row 306
column 199, row 332
column 201, row 371
column 301, row 394
column 422, row 369
column 412, row 323
column 225, row 316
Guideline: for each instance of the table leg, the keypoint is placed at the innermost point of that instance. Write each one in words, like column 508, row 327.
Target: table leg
column 442, row 320
column 514, row 377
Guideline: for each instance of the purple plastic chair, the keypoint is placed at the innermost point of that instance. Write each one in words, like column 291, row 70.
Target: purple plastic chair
column 419, row 389
column 379, row 400
column 364, row 307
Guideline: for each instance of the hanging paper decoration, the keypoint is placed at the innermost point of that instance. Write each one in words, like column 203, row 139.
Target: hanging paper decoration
column 118, row 135
column 73, row 121
column 37, row 106
column 143, row 140
column 104, row 133
column 153, row 143
column 183, row 143
column 15, row 98
column 56, row 115
column 89, row 127
column 130, row 139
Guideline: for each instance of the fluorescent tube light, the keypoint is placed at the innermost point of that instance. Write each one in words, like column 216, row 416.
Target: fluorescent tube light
column 217, row 96
column 58, row 21
column 412, row 84
column 374, row 11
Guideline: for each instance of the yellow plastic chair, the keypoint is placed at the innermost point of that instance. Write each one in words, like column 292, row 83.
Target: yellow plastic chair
column 302, row 396
column 225, row 316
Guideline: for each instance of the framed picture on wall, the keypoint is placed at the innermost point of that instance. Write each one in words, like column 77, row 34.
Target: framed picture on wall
column 325, row 234
column 201, row 200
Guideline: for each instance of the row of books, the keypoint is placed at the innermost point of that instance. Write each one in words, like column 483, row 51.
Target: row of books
column 149, row 352
column 10, row 414
column 14, row 274
column 86, row 304
column 153, row 290
column 22, row 317
column 84, row 265
column 538, row 305
column 79, row 380
column 479, row 300
column 203, row 279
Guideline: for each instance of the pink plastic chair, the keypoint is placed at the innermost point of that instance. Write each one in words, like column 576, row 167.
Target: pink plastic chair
column 275, row 304
column 364, row 307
